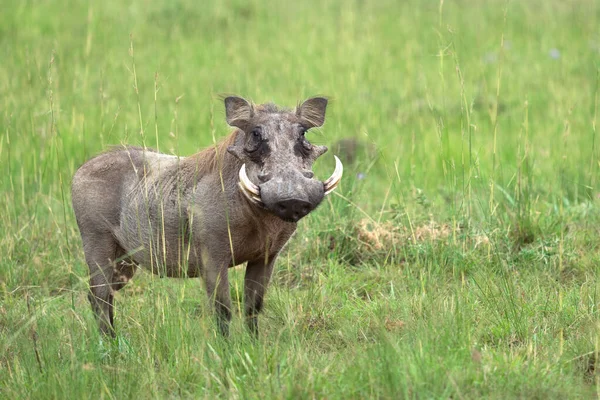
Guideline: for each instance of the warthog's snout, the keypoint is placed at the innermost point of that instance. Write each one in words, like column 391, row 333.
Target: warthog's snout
column 292, row 197
column 293, row 194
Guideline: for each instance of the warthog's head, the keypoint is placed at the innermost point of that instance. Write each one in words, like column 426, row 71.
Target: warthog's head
column 277, row 171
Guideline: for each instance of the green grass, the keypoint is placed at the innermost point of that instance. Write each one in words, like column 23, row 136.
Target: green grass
column 463, row 265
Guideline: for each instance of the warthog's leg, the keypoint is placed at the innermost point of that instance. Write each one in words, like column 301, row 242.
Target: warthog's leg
column 124, row 269
column 258, row 275
column 110, row 270
column 217, row 287
column 100, row 249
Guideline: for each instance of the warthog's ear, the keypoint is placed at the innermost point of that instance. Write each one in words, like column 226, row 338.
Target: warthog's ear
column 312, row 112
column 238, row 111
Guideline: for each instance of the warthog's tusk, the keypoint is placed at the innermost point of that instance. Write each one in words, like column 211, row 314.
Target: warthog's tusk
column 249, row 189
column 253, row 198
column 335, row 178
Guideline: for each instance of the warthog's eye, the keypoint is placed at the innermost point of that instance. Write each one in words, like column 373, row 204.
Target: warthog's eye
column 257, row 133
column 305, row 146
column 255, row 140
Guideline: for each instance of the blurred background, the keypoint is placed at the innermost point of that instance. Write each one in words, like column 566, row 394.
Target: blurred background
column 469, row 135
column 454, row 93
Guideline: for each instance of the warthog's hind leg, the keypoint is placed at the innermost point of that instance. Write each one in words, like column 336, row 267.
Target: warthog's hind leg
column 256, row 280
column 108, row 273
column 124, row 269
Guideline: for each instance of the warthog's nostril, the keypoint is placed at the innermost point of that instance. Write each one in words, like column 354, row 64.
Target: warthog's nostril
column 308, row 174
column 291, row 209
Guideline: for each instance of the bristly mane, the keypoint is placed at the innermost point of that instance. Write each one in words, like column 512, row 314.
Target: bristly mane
column 208, row 160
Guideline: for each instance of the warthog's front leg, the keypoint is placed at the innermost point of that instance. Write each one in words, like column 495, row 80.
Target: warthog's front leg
column 258, row 275
column 217, row 288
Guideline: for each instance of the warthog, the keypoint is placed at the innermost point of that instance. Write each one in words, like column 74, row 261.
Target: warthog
column 235, row 202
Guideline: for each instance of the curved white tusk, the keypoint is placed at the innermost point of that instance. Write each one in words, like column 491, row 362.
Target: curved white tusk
column 335, row 178
column 247, row 183
column 253, row 198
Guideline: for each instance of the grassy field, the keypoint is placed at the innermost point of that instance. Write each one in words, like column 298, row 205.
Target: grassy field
column 459, row 258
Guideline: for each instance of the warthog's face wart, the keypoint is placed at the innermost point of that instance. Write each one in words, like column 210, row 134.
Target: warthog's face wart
column 277, row 171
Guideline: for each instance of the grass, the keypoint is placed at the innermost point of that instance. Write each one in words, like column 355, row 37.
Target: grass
column 463, row 263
